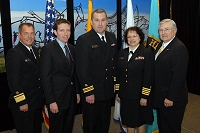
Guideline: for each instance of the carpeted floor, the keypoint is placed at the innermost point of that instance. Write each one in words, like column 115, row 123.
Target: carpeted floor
column 191, row 121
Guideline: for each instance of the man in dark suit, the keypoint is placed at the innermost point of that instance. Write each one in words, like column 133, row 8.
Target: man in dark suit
column 58, row 80
column 170, row 89
column 95, row 66
column 26, row 98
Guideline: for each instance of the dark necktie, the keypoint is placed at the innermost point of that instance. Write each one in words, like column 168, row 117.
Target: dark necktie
column 103, row 40
column 104, row 43
column 68, row 56
column 130, row 55
column 33, row 55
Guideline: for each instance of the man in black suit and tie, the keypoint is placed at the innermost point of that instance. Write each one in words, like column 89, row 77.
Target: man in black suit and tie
column 96, row 53
column 58, row 79
column 26, row 98
column 170, row 88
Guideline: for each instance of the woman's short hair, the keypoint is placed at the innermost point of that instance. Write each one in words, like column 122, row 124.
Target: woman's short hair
column 137, row 30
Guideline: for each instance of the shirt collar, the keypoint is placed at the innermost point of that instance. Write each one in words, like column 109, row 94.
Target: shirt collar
column 167, row 43
column 101, row 36
column 61, row 43
column 27, row 46
column 133, row 49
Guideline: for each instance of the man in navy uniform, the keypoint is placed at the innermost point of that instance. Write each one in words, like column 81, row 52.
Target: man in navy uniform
column 95, row 54
column 26, row 98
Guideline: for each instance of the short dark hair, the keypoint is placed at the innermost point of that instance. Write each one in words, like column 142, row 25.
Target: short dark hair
column 60, row 21
column 138, row 31
column 27, row 24
column 98, row 10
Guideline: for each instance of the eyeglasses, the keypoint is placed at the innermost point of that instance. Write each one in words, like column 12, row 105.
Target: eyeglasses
column 134, row 36
column 164, row 30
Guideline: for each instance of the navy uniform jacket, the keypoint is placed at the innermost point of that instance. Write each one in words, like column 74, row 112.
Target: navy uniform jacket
column 56, row 75
column 95, row 66
column 135, row 77
column 22, row 74
column 170, row 75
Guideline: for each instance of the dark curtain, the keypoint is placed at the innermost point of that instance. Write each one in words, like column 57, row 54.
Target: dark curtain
column 164, row 9
column 186, row 14
column 6, row 119
column 70, row 17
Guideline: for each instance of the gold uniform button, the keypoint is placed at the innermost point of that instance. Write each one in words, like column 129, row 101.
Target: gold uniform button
column 86, row 85
column 106, row 78
column 38, row 78
column 126, row 81
column 126, row 69
column 106, row 69
column 112, row 58
column 113, row 67
column 126, row 75
column 39, row 87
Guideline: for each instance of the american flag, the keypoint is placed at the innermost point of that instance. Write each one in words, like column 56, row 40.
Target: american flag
column 50, row 18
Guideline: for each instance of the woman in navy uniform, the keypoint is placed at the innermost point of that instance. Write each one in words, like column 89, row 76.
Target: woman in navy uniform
column 134, row 81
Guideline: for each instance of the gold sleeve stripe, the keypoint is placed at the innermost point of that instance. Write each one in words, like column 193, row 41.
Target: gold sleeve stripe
column 87, row 89
column 20, row 97
column 146, row 91
column 115, row 78
column 117, row 86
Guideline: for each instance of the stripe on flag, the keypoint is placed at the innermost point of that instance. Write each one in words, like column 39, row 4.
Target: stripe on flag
column 45, row 116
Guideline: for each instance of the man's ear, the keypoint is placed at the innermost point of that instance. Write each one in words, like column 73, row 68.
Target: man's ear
column 55, row 32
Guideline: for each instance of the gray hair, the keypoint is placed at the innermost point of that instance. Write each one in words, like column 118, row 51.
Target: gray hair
column 173, row 24
column 27, row 24
column 99, row 10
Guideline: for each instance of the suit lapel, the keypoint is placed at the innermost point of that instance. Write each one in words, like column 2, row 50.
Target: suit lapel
column 109, row 41
column 165, row 51
column 59, row 49
column 72, row 55
column 160, row 44
column 136, row 53
column 126, row 54
column 27, row 52
column 98, row 42
column 95, row 38
column 35, row 52
column 71, row 52
column 61, row 54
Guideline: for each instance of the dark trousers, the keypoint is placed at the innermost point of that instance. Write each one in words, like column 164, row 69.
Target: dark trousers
column 96, row 117
column 62, row 122
column 170, row 119
column 28, row 122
